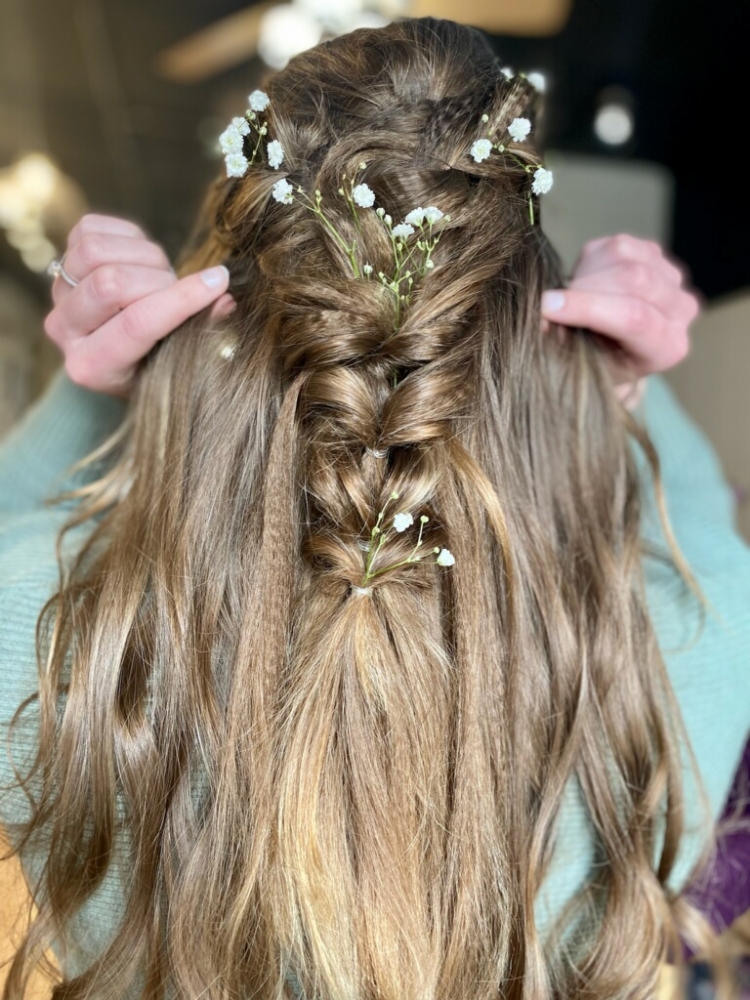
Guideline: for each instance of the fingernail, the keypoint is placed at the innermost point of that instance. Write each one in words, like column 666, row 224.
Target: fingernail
column 552, row 301
column 215, row 276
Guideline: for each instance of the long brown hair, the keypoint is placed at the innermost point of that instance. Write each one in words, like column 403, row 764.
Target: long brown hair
column 356, row 796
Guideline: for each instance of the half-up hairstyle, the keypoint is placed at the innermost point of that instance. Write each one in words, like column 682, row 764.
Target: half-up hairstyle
column 355, row 795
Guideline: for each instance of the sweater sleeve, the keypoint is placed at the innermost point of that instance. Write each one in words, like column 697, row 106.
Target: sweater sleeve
column 62, row 427
column 708, row 664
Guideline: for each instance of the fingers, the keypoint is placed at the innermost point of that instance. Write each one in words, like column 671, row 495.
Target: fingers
column 103, row 224
column 638, row 280
column 100, row 296
column 106, row 359
column 99, row 252
column 653, row 340
column 97, row 233
column 609, row 251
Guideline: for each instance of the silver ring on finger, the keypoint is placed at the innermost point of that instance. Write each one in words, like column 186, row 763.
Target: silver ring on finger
column 57, row 270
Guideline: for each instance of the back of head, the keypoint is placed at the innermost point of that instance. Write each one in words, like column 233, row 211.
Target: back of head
column 342, row 759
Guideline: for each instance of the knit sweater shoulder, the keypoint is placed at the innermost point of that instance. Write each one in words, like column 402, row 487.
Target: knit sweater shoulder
column 710, row 676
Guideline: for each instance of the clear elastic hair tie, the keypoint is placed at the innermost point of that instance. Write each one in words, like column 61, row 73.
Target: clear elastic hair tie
column 377, row 452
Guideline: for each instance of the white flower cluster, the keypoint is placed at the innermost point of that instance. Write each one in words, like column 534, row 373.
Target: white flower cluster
column 232, row 139
column 518, row 130
column 410, row 260
column 378, row 538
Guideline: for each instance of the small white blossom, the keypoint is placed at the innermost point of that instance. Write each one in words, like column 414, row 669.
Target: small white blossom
column 241, row 124
column 432, row 214
column 364, row 196
column 481, row 150
column 259, row 100
column 538, row 81
column 446, row 558
column 402, row 230
column 485, row 118
column 429, row 264
column 542, row 182
column 507, row 72
column 415, row 217
column 283, row 192
column 367, row 268
column 237, row 165
column 402, row 521
column 231, row 140
column 519, row 128
column 380, row 211
column 275, row 154
column 388, row 220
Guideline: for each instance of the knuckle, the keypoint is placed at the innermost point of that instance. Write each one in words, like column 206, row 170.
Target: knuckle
column 87, row 224
column 77, row 368
column 108, row 283
column 624, row 244
column 52, row 326
column 637, row 277
column 652, row 246
column 91, row 250
column 638, row 317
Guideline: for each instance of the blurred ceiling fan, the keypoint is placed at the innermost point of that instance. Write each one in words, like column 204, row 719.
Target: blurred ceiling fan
column 277, row 31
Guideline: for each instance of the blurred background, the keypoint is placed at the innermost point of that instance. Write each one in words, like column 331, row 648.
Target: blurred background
column 115, row 106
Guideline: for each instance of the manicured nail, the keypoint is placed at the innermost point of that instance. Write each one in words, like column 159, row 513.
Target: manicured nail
column 552, row 301
column 215, row 276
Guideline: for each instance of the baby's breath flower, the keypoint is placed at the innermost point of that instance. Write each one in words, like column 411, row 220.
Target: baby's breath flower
column 542, row 182
column 519, row 128
column 429, row 264
column 415, row 217
column 231, row 140
column 481, row 149
column 485, row 118
column 388, row 220
column 275, row 154
column 367, row 268
column 364, row 196
column 446, row 558
column 433, row 214
column 402, row 230
column 237, row 164
column 538, row 81
column 402, row 521
column 380, row 211
column 507, row 72
column 241, row 124
column 259, row 100
column 283, row 192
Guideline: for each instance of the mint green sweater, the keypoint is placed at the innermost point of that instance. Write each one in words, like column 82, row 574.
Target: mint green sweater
column 711, row 678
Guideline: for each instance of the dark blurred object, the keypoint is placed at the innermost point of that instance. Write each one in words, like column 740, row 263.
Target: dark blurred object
column 685, row 67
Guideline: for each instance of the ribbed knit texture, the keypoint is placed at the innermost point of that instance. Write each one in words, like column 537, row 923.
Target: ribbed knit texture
column 711, row 677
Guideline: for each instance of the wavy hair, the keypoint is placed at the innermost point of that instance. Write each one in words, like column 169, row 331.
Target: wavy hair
column 355, row 797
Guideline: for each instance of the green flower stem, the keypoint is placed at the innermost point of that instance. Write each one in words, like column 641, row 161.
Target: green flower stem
column 317, row 210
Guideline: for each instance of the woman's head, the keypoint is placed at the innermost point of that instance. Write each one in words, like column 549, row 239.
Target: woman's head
column 358, row 792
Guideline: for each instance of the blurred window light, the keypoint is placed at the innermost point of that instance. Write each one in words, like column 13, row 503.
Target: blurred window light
column 37, row 257
column 36, row 177
column 614, row 124
column 285, row 31
column 33, row 193
column 333, row 15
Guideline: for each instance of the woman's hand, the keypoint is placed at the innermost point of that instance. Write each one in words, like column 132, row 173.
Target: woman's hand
column 128, row 298
column 625, row 288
